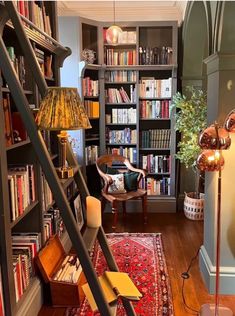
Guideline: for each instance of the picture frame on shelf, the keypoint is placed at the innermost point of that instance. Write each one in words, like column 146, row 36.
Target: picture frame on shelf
column 76, row 205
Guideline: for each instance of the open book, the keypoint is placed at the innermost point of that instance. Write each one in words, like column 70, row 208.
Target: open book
column 114, row 284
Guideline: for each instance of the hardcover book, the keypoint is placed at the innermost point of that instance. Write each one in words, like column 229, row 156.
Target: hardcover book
column 114, row 285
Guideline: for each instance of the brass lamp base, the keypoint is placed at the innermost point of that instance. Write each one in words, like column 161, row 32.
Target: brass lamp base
column 209, row 310
column 64, row 173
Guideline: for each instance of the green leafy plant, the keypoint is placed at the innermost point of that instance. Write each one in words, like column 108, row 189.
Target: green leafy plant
column 190, row 121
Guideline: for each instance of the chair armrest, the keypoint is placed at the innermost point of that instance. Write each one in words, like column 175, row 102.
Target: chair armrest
column 107, row 179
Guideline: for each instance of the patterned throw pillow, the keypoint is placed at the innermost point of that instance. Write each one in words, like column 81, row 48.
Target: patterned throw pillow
column 118, row 184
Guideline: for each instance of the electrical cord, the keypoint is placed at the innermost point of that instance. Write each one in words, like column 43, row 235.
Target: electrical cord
column 185, row 275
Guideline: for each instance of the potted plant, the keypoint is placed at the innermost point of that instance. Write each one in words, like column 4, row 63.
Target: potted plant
column 190, row 114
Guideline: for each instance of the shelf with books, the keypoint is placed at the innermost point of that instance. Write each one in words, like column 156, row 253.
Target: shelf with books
column 22, row 201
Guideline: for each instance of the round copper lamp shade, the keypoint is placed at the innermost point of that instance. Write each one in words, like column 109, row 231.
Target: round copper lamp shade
column 214, row 137
column 113, row 34
column 230, row 122
column 210, row 160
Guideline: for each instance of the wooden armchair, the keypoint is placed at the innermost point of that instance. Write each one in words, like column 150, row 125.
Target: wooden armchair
column 104, row 166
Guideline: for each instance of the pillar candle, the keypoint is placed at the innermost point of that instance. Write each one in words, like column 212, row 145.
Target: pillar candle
column 93, row 207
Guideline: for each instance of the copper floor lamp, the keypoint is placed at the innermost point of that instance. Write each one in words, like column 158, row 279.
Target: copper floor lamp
column 213, row 140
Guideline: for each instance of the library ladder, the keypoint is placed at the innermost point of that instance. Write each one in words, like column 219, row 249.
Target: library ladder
column 8, row 11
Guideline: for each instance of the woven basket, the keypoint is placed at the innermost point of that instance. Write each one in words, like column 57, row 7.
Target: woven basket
column 193, row 207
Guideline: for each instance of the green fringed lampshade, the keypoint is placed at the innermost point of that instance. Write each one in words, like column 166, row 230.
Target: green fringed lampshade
column 62, row 109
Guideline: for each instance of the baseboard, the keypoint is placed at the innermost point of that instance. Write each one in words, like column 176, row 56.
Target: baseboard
column 34, row 301
column 227, row 274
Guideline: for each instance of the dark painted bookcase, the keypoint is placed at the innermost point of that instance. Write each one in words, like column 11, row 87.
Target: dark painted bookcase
column 16, row 149
column 137, row 79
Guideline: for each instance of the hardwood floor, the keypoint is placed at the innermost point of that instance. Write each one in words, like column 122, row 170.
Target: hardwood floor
column 181, row 241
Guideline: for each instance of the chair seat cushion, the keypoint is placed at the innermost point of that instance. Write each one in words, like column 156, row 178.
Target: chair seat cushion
column 124, row 196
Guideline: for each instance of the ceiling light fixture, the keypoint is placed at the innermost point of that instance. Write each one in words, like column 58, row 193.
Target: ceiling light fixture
column 114, row 31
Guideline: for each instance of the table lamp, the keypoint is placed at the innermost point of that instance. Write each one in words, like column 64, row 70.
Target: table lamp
column 61, row 109
column 213, row 140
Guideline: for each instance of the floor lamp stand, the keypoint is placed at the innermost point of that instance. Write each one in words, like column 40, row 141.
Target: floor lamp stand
column 216, row 309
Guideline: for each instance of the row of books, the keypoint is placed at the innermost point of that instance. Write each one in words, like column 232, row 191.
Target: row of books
column 126, row 136
column 113, row 95
column 92, row 108
column 25, row 247
column 21, row 184
column 35, row 11
column 115, row 57
column 155, row 55
column 154, row 109
column 121, row 116
column 155, row 88
column 121, row 76
column 18, row 62
column 124, row 37
column 53, row 223
column 156, row 163
column 47, row 197
column 91, row 154
column 2, row 313
column 69, row 271
column 14, row 127
column 128, row 152
column 45, row 63
column 157, row 187
column 90, row 88
column 155, row 138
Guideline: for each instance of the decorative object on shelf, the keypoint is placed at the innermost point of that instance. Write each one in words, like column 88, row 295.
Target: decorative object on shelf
column 76, row 206
column 190, row 121
column 212, row 140
column 114, row 31
column 62, row 109
column 88, row 55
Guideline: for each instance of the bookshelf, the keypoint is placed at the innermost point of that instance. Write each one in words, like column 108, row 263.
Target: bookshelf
column 138, row 77
column 26, row 299
column 28, row 210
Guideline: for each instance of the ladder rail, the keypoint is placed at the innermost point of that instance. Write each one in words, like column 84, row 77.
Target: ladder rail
column 42, row 153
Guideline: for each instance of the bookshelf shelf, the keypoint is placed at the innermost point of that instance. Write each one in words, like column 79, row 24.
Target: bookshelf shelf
column 7, row 90
column 120, row 104
column 154, row 120
column 92, row 139
column 87, row 97
column 121, row 45
column 120, row 124
column 119, row 82
column 26, row 211
column 20, row 144
column 121, row 144
column 154, row 149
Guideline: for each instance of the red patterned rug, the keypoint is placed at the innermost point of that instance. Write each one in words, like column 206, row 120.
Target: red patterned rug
column 142, row 257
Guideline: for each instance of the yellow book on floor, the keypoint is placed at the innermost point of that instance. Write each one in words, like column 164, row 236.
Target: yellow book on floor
column 114, row 284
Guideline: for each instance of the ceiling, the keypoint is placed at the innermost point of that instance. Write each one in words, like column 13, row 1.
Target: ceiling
column 132, row 10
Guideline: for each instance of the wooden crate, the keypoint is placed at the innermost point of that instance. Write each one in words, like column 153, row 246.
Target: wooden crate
column 49, row 261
